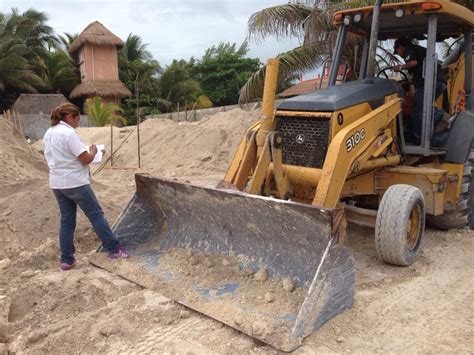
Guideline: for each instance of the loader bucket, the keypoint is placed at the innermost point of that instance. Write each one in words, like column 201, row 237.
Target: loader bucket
column 234, row 257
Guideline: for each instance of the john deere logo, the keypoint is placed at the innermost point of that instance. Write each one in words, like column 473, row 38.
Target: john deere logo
column 300, row 138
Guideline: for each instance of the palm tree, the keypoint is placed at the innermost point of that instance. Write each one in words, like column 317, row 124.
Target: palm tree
column 15, row 71
column 135, row 49
column 176, row 84
column 311, row 24
column 29, row 27
column 135, row 60
column 135, row 57
column 59, row 72
column 23, row 40
column 139, row 72
column 103, row 113
column 66, row 40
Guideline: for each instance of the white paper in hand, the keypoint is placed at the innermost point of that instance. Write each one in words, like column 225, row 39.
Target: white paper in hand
column 98, row 156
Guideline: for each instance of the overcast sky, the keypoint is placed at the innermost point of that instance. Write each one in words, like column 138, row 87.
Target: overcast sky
column 172, row 29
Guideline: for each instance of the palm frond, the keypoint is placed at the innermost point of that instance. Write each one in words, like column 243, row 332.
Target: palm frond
column 67, row 40
column 279, row 21
column 135, row 50
column 102, row 113
column 319, row 27
column 294, row 62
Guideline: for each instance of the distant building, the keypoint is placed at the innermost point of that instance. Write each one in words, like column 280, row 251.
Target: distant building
column 34, row 113
column 301, row 88
column 96, row 52
column 37, row 104
column 320, row 82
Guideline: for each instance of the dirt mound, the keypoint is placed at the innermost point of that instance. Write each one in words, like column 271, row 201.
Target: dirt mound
column 23, row 176
column 425, row 307
column 18, row 160
column 177, row 149
column 28, row 210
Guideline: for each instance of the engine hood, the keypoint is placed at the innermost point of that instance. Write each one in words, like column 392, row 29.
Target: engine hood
column 341, row 96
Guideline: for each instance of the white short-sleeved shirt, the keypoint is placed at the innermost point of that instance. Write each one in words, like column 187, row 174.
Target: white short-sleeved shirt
column 62, row 146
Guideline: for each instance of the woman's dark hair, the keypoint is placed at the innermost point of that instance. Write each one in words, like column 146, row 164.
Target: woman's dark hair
column 60, row 112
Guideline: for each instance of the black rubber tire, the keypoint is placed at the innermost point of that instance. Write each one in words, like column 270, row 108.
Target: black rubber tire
column 462, row 216
column 392, row 224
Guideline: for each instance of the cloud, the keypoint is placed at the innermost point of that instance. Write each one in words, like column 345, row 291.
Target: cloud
column 172, row 29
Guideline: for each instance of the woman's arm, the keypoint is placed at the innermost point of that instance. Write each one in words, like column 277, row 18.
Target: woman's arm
column 87, row 157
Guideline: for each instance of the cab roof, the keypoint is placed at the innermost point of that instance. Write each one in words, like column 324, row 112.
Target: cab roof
column 453, row 19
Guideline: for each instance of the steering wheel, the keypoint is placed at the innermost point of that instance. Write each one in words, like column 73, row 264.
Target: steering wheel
column 450, row 48
column 384, row 72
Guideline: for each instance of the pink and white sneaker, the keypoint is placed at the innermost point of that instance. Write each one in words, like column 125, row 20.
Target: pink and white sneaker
column 66, row 266
column 120, row 254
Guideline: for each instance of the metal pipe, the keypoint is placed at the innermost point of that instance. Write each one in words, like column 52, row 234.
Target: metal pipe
column 269, row 92
column 356, row 53
column 340, row 40
column 468, row 67
column 302, row 176
column 429, row 74
column 374, row 33
column 381, row 162
column 299, row 175
column 361, row 216
column 363, row 61
column 138, row 122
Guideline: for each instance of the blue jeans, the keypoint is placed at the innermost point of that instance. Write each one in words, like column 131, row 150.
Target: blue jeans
column 417, row 113
column 68, row 200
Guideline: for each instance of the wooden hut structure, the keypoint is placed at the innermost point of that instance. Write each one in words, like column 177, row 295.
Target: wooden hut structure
column 96, row 52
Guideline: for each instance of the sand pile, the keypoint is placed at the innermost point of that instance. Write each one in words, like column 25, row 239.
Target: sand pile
column 177, row 149
column 18, row 160
column 43, row 310
column 29, row 216
column 23, row 176
column 202, row 148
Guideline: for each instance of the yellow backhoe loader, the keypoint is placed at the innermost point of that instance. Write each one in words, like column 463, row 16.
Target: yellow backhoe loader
column 264, row 251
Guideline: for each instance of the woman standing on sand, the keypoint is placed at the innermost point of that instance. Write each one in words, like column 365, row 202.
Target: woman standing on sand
column 68, row 161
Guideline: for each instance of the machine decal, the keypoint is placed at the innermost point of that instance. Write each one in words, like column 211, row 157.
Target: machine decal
column 300, row 138
column 355, row 139
column 340, row 119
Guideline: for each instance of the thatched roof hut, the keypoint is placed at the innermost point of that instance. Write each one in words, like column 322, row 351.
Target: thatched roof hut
column 37, row 103
column 96, row 34
column 102, row 88
column 96, row 52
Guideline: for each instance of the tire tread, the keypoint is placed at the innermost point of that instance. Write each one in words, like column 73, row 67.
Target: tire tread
column 390, row 231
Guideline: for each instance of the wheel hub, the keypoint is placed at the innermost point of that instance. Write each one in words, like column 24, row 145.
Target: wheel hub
column 413, row 227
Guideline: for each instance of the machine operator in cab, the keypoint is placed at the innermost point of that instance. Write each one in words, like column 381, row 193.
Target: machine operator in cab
column 414, row 56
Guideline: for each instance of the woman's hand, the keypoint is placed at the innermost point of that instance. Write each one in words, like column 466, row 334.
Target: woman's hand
column 87, row 157
column 93, row 150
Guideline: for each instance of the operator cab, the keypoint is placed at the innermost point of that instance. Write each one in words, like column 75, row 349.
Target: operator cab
column 433, row 21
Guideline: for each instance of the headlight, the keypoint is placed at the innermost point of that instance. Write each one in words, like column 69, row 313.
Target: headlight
column 399, row 13
column 347, row 20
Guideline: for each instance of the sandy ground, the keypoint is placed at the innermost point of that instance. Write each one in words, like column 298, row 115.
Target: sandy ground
column 425, row 308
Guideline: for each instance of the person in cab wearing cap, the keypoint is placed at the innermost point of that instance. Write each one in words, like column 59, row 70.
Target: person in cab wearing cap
column 414, row 56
